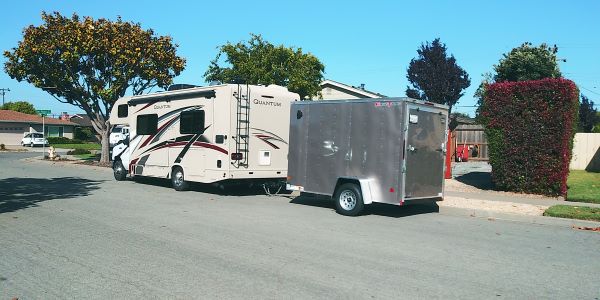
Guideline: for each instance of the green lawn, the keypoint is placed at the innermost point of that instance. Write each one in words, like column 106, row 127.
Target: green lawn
column 583, row 186
column 89, row 146
column 574, row 212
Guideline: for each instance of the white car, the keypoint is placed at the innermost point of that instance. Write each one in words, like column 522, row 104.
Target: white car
column 118, row 134
column 34, row 139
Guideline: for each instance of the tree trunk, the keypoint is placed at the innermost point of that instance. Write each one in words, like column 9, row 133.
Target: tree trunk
column 104, row 154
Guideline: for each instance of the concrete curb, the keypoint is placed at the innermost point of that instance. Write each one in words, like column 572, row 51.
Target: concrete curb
column 538, row 220
column 74, row 163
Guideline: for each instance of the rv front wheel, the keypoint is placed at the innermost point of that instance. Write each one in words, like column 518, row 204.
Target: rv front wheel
column 348, row 200
column 178, row 180
column 119, row 171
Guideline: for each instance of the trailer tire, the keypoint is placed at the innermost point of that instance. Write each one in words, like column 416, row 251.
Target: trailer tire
column 348, row 200
column 178, row 179
column 119, row 171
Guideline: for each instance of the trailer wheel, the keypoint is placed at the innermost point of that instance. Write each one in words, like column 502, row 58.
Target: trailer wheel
column 178, row 179
column 119, row 171
column 348, row 200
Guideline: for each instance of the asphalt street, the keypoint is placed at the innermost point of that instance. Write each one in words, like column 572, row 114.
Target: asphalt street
column 72, row 232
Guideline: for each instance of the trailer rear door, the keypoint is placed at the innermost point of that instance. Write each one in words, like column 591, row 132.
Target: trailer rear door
column 425, row 146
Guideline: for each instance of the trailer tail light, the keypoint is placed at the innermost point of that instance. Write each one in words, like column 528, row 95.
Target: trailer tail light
column 392, row 190
column 237, row 156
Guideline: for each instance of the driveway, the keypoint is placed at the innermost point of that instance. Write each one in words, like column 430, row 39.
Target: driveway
column 73, row 232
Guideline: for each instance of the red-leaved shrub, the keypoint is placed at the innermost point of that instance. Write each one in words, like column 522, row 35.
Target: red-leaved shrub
column 530, row 127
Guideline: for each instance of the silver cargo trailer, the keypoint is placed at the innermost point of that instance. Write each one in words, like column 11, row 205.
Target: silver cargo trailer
column 388, row 150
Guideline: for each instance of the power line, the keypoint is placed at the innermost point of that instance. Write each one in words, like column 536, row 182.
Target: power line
column 3, row 92
column 593, row 92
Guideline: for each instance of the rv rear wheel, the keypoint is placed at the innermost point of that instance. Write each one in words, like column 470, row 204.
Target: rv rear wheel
column 178, row 180
column 348, row 200
column 119, row 171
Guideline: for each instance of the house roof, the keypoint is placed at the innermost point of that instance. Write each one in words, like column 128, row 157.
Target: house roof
column 82, row 120
column 351, row 89
column 19, row 117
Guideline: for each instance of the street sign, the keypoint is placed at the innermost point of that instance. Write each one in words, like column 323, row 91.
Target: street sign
column 43, row 112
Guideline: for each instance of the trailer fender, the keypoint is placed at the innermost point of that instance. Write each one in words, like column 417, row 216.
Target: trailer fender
column 365, row 187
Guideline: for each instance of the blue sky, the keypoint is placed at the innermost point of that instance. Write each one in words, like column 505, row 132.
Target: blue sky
column 368, row 42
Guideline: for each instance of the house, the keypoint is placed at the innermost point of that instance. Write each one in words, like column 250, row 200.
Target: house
column 14, row 125
column 333, row 90
column 468, row 136
column 81, row 120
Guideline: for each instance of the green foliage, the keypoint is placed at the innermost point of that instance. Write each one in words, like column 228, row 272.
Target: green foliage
column 596, row 128
column 87, row 146
column 78, row 151
column 20, row 106
column 528, row 63
column 573, row 212
column 529, row 127
column 459, row 115
column 588, row 116
column 435, row 76
column 84, row 134
column 91, row 63
column 583, row 186
column 259, row 62
column 62, row 140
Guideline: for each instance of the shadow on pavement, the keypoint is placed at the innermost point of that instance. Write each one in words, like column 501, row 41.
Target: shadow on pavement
column 480, row 180
column 379, row 209
column 20, row 193
column 242, row 188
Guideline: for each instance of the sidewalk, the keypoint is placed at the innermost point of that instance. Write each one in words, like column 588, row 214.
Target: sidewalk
column 494, row 196
column 473, row 198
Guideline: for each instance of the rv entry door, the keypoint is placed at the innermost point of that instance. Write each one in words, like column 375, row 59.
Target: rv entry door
column 425, row 152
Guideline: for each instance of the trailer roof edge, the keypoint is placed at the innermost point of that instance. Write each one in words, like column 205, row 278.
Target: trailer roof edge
column 387, row 99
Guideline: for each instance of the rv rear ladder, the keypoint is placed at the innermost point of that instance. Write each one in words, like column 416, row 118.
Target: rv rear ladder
column 242, row 136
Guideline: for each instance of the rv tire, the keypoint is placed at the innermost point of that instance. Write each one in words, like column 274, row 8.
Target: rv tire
column 178, row 179
column 119, row 171
column 348, row 200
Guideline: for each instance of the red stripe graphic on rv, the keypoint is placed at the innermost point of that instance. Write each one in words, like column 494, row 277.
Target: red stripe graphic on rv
column 210, row 146
column 266, row 138
column 132, row 163
column 146, row 106
column 200, row 144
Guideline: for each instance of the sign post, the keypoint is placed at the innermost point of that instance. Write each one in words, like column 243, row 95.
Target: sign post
column 44, row 113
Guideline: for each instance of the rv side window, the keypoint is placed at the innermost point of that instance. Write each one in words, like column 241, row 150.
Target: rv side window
column 122, row 111
column 192, row 122
column 147, row 124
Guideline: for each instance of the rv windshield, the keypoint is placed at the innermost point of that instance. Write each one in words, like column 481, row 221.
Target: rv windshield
column 117, row 129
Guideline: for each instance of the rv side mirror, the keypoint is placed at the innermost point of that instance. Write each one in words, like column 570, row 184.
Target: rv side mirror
column 126, row 141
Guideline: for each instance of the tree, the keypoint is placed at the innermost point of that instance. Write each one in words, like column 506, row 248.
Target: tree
column 20, row 106
column 259, row 62
column 596, row 128
column 587, row 115
column 528, row 63
column 91, row 63
column 435, row 76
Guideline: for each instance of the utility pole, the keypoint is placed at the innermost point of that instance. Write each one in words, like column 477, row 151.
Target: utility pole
column 3, row 92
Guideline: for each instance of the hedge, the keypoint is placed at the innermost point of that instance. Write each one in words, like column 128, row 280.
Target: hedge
column 530, row 127
column 63, row 140
column 78, row 152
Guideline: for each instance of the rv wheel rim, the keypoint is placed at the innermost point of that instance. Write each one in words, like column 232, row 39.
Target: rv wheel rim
column 118, row 170
column 347, row 200
column 178, row 178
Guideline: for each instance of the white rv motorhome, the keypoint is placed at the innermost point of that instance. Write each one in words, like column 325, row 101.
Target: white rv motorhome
column 205, row 134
